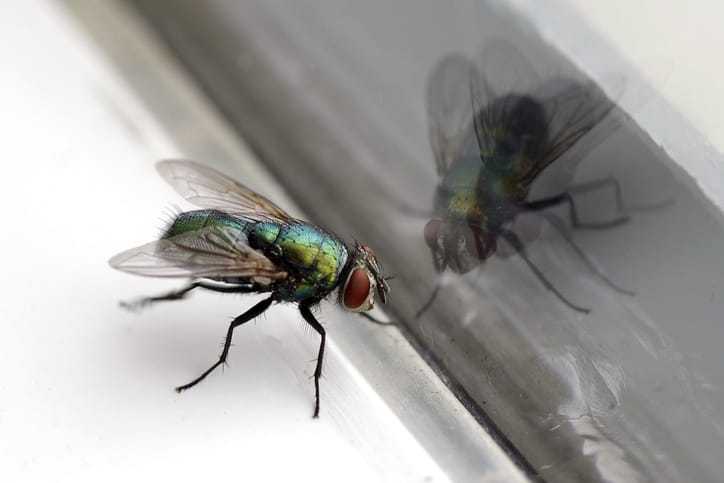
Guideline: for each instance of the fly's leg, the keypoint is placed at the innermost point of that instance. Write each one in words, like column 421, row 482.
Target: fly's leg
column 181, row 293
column 598, row 184
column 515, row 242
column 375, row 320
column 567, row 197
column 557, row 223
column 250, row 314
column 572, row 212
column 429, row 302
column 142, row 302
column 309, row 318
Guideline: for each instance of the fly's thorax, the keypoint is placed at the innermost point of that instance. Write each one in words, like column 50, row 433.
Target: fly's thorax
column 462, row 192
column 464, row 173
column 466, row 204
column 313, row 257
column 264, row 234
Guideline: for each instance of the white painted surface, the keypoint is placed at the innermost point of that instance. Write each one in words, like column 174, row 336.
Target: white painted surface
column 86, row 388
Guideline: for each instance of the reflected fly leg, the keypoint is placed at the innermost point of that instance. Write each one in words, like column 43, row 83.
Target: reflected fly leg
column 182, row 292
column 309, row 317
column 515, row 242
column 250, row 314
column 375, row 320
column 599, row 184
column 557, row 223
column 566, row 197
column 429, row 302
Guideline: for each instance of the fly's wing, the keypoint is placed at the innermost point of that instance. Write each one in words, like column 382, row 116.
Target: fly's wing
column 449, row 109
column 554, row 114
column 506, row 75
column 207, row 188
column 210, row 252
column 572, row 109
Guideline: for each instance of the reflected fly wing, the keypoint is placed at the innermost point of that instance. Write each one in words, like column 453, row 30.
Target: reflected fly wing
column 573, row 109
column 547, row 117
column 505, row 70
column 449, row 109
column 211, row 252
column 505, row 75
column 207, row 188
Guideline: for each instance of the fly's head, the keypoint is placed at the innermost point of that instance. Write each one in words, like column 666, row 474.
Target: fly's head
column 458, row 244
column 363, row 282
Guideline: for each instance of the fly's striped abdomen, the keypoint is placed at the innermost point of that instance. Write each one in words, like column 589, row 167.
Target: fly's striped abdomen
column 198, row 219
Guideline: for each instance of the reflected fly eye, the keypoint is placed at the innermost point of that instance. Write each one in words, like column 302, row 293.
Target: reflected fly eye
column 432, row 233
column 358, row 293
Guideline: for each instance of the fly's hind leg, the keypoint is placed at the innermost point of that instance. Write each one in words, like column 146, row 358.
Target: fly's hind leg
column 567, row 198
column 250, row 314
column 181, row 293
column 562, row 198
column 609, row 181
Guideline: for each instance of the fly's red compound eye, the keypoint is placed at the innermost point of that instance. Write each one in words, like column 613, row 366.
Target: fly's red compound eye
column 356, row 290
column 432, row 232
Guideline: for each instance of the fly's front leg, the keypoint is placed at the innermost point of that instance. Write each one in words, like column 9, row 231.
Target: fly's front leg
column 181, row 293
column 309, row 318
column 375, row 320
column 250, row 314
column 429, row 301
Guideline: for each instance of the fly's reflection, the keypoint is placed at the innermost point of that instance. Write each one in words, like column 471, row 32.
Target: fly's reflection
column 493, row 133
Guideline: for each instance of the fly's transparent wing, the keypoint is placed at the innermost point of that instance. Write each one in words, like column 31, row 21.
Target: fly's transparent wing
column 572, row 109
column 517, row 112
column 211, row 252
column 505, row 70
column 505, row 76
column 207, row 188
column 449, row 109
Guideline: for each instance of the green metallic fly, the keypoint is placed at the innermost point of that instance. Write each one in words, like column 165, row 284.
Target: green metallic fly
column 493, row 132
column 240, row 242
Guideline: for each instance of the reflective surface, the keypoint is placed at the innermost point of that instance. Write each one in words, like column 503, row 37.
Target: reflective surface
column 333, row 97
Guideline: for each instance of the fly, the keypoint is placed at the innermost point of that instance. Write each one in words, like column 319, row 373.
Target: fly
column 492, row 135
column 241, row 242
